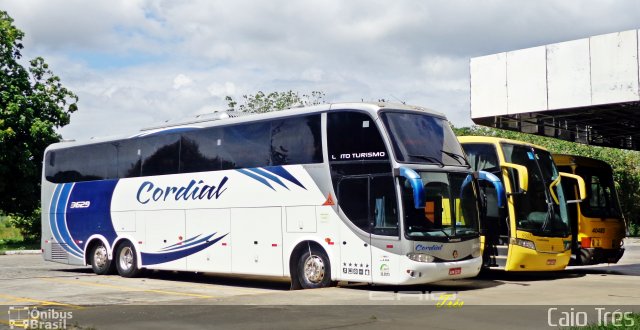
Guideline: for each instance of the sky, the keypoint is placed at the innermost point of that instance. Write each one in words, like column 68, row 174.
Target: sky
column 137, row 63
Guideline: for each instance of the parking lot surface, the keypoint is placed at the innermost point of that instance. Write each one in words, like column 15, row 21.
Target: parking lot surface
column 185, row 300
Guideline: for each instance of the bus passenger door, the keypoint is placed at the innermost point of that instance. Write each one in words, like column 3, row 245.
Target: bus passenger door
column 355, row 245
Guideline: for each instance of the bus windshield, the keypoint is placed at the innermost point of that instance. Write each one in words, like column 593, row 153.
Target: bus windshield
column 450, row 210
column 542, row 209
column 602, row 201
column 422, row 138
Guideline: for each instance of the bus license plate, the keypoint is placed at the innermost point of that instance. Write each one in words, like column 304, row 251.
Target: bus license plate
column 551, row 262
column 455, row 271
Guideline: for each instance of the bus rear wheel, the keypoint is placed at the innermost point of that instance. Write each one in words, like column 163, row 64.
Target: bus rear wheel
column 100, row 260
column 314, row 270
column 127, row 260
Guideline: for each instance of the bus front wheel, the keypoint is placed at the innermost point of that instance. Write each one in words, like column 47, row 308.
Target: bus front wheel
column 314, row 270
column 127, row 260
column 100, row 262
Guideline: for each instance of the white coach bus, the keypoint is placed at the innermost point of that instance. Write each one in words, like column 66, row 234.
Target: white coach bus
column 374, row 193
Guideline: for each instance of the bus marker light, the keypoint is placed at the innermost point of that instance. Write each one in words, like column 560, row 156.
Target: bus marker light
column 274, row 244
column 586, row 242
column 139, row 242
column 329, row 201
column 389, row 246
column 224, row 244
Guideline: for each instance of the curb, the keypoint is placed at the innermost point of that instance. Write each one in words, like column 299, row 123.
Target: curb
column 19, row 252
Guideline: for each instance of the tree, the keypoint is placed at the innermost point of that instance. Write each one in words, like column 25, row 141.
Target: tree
column 274, row 101
column 33, row 103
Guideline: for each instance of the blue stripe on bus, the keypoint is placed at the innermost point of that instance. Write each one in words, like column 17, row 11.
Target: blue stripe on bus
column 96, row 218
column 268, row 176
column 60, row 215
column 255, row 177
column 183, row 246
column 283, row 173
column 158, row 258
column 53, row 214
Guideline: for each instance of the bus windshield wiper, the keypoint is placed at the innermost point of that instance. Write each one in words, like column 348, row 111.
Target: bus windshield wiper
column 442, row 231
column 429, row 159
column 457, row 158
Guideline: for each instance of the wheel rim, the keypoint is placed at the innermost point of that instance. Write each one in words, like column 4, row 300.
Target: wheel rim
column 100, row 257
column 126, row 258
column 314, row 269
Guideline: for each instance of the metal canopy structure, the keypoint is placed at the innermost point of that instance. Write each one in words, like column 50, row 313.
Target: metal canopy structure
column 586, row 90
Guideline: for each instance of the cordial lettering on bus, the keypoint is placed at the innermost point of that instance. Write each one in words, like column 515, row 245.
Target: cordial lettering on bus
column 194, row 190
column 434, row 247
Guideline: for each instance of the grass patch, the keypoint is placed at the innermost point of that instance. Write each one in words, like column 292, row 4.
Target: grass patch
column 10, row 238
column 634, row 323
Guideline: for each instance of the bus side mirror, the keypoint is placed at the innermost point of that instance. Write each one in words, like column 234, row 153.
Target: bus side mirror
column 500, row 191
column 582, row 187
column 523, row 176
column 414, row 179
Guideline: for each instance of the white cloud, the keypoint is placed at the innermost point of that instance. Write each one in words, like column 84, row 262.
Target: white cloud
column 222, row 90
column 181, row 81
column 137, row 62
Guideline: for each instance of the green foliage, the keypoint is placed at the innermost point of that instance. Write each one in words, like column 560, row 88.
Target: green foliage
column 7, row 231
column 625, row 164
column 29, row 225
column 33, row 103
column 274, row 101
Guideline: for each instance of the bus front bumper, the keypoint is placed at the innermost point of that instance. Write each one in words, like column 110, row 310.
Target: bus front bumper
column 524, row 259
column 420, row 272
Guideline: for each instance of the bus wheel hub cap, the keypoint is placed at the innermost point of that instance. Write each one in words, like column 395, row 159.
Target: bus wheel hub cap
column 314, row 269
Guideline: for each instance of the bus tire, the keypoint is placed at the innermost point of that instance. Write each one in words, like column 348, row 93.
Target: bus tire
column 126, row 260
column 314, row 270
column 100, row 262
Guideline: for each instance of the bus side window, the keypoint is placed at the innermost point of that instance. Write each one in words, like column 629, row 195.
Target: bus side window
column 353, row 136
column 296, row 141
column 129, row 158
column 160, row 154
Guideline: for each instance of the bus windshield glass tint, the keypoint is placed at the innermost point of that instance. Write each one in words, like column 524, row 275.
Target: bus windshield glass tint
column 542, row 210
column 422, row 138
column 450, row 209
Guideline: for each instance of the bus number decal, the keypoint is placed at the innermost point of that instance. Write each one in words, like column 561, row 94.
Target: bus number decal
column 80, row 205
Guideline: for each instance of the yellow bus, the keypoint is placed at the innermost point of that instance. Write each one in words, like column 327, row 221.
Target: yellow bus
column 597, row 224
column 532, row 232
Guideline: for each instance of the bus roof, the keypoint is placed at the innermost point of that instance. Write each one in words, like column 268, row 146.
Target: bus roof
column 495, row 140
column 566, row 159
column 231, row 117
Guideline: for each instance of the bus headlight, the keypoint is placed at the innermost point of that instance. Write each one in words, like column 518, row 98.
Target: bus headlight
column 567, row 245
column 420, row 257
column 525, row 243
column 475, row 250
